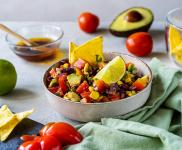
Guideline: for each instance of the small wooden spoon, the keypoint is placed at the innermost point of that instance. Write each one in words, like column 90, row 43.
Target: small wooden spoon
column 21, row 38
column 26, row 41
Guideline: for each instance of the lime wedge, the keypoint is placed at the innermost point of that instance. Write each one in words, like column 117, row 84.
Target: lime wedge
column 113, row 71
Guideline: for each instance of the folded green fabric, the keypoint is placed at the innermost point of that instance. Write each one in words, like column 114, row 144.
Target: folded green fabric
column 155, row 126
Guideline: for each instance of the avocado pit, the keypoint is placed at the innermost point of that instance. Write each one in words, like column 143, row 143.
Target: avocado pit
column 133, row 16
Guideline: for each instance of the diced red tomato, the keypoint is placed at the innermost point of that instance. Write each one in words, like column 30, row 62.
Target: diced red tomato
column 53, row 89
column 80, row 63
column 99, row 85
column 62, row 83
column 83, row 87
column 86, row 95
column 84, row 100
column 114, row 97
column 139, row 85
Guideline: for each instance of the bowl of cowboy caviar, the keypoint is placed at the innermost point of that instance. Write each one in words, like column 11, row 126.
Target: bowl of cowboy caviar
column 88, row 92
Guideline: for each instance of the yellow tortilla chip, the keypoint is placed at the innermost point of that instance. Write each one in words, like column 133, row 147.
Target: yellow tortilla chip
column 72, row 58
column 8, row 121
column 89, row 51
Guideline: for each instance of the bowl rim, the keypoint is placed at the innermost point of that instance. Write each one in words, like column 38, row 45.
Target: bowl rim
column 36, row 25
column 101, row 103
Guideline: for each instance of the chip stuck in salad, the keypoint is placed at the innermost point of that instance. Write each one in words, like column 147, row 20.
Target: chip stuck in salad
column 88, row 78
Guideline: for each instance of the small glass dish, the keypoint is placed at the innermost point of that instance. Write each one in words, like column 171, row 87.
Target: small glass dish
column 173, row 34
column 33, row 53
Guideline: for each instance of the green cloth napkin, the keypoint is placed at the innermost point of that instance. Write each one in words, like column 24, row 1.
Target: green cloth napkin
column 155, row 126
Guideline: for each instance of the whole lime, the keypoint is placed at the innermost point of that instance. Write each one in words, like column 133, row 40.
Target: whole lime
column 8, row 77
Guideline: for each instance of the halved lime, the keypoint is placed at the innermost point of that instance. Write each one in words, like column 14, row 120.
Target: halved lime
column 113, row 71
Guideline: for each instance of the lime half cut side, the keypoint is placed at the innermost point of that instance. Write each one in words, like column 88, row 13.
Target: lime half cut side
column 113, row 71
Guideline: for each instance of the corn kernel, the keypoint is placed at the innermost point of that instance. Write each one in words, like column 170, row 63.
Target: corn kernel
column 78, row 71
column 133, row 92
column 119, row 82
column 128, row 80
column 65, row 65
column 94, row 95
column 129, row 93
column 91, row 88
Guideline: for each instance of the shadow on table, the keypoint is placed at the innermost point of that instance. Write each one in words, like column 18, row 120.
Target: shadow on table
column 160, row 55
column 157, row 34
column 102, row 31
column 21, row 94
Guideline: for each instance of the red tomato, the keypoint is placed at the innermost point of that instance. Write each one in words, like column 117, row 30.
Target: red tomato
column 64, row 132
column 62, row 83
column 46, row 142
column 88, row 22
column 99, row 85
column 139, row 44
column 82, row 87
column 86, row 95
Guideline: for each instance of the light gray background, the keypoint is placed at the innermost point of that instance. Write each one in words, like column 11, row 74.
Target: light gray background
column 68, row 10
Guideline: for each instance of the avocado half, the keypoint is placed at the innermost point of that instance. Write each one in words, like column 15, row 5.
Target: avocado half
column 135, row 19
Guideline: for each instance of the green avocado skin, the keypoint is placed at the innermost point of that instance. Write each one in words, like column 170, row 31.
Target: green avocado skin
column 128, row 33
column 7, row 75
column 144, row 28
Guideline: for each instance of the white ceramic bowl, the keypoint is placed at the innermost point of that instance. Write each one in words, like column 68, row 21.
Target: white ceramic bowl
column 95, row 111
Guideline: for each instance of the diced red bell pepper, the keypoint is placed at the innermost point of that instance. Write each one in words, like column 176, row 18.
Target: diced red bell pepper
column 62, row 83
column 80, row 63
column 82, row 87
column 99, row 85
column 139, row 85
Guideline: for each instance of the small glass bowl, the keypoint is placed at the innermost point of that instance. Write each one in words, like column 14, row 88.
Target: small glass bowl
column 36, row 31
column 173, row 34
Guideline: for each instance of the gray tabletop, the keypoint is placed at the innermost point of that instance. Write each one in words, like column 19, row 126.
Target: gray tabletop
column 29, row 91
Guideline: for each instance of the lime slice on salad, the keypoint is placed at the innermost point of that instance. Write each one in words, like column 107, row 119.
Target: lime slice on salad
column 113, row 71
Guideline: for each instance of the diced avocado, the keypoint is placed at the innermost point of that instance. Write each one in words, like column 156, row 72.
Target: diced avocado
column 135, row 19
column 72, row 96
column 74, row 79
column 53, row 82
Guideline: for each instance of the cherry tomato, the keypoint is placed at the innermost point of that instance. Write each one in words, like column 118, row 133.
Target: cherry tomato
column 46, row 142
column 88, row 22
column 99, row 85
column 62, row 83
column 139, row 44
column 82, row 87
column 64, row 132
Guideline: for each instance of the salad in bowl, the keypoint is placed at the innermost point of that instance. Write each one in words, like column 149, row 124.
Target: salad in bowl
column 97, row 80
